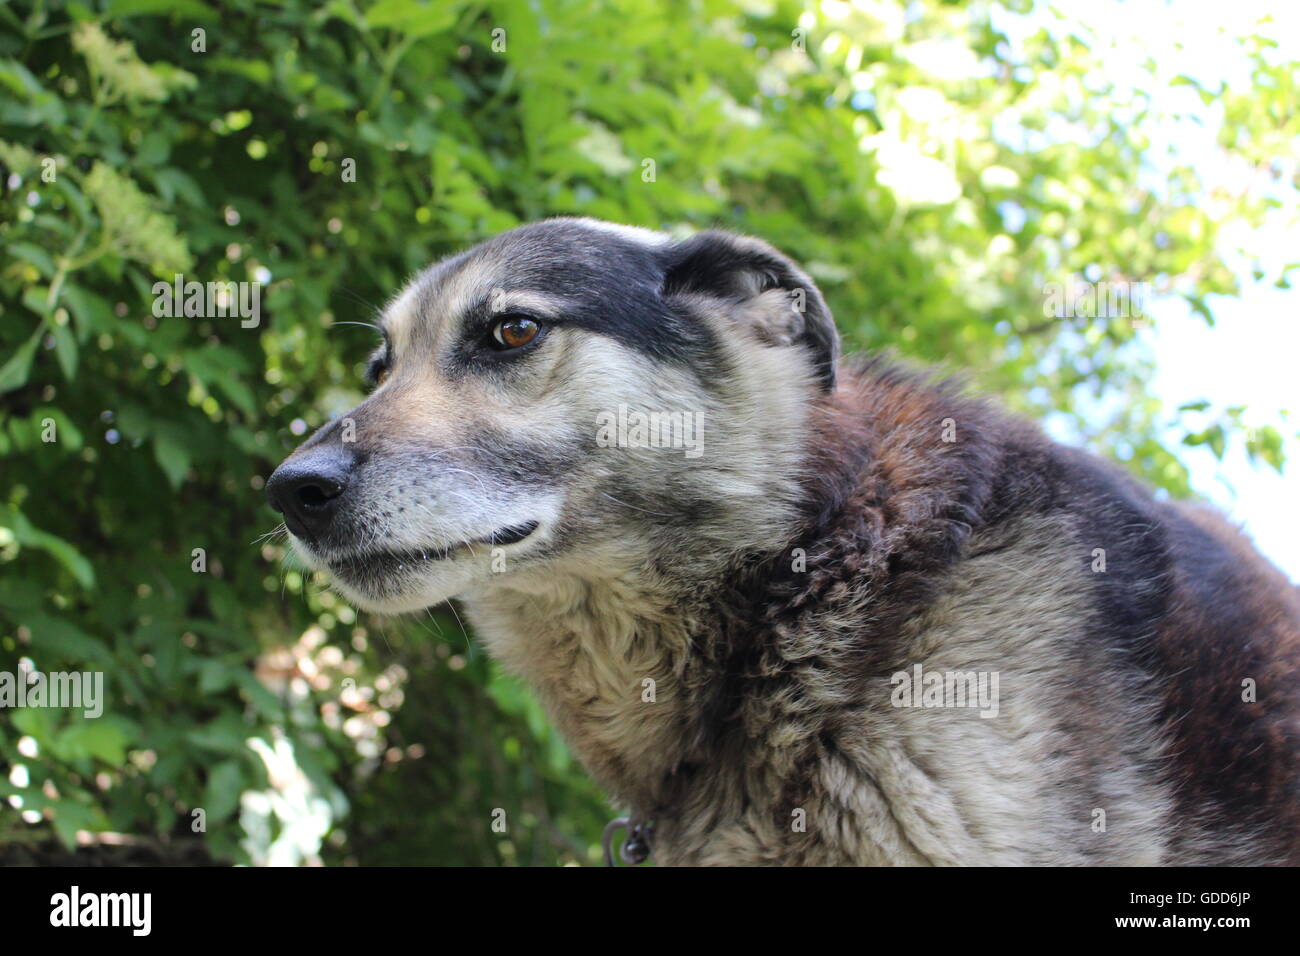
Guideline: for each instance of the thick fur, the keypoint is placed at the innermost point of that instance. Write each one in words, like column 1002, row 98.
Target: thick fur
column 719, row 637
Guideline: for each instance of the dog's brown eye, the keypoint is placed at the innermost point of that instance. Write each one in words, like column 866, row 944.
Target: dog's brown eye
column 515, row 332
column 377, row 370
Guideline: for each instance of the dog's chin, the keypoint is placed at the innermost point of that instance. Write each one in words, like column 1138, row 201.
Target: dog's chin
column 409, row 580
column 411, row 592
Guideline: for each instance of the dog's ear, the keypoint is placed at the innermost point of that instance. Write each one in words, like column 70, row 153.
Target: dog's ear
column 766, row 293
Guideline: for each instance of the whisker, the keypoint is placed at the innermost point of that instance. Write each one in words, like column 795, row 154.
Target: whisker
column 281, row 530
column 361, row 299
column 364, row 325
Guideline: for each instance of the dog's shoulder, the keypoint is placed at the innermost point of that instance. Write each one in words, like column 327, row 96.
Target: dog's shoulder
column 943, row 531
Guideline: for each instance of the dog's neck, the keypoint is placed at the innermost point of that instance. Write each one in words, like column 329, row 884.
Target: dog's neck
column 613, row 657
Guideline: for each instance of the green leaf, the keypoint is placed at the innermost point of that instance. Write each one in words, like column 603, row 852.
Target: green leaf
column 69, row 435
column 185, row 9
column 14, row 372
column 38, row 722
column 227, row 734
column 215, row 676
column 93, row 314
column 19, row 594
column 221, row 795
column 255, row 70
column 69, row 818
column 1201, row 307
column 56, row 640
column 65, row 348
column 417, row 18
column 37, row 256
column 28, row 535
column 172, row 457
column 103, row 738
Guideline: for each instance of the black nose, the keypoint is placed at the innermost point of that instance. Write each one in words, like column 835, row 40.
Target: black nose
column 308, row 488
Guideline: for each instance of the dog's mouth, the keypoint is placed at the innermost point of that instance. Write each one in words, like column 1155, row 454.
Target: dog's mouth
column 379, row 562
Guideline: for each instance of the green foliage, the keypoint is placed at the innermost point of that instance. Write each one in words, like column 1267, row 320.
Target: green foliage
column 900, row 151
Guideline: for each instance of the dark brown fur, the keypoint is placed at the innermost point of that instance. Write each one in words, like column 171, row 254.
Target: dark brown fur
column 1186, row 607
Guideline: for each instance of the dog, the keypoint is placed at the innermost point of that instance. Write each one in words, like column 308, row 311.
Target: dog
column 791, row 608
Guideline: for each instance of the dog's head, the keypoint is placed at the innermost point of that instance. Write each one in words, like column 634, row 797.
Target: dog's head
column 567, row 394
